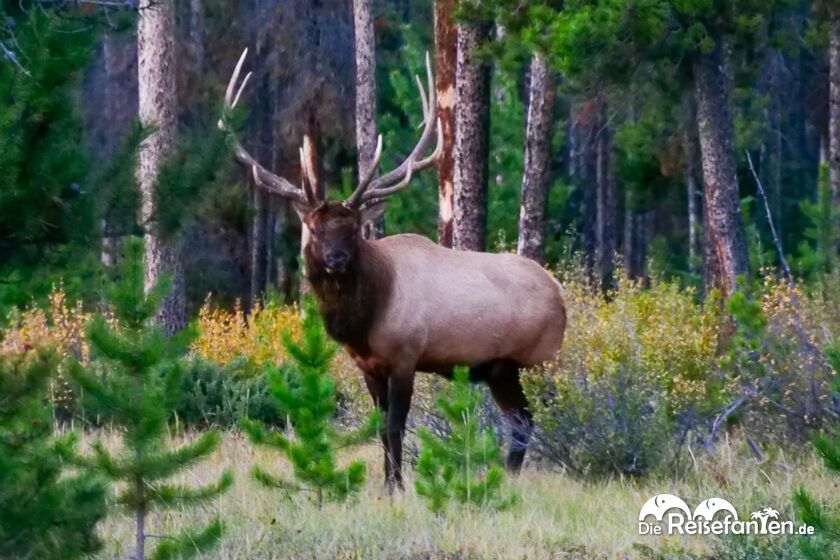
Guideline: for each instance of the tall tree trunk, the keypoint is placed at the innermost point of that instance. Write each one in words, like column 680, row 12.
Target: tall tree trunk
column 531, row 241
column 158, row 108
column 725, row 241
column 638, row 233
column 197, row 29
column 605, row 202
column 583, row 169
column 258, row 243
column 775, row 83
column 446, row 52
column 119, row 53
column 366, row 99
column 261, row 129
column 834, row 106
column 472, row 132
column 692, row 198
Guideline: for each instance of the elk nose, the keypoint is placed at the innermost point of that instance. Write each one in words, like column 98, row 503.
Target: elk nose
column 337, row 260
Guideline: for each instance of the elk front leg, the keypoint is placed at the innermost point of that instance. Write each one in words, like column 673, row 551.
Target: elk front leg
column 400, row 389
column 378, row 388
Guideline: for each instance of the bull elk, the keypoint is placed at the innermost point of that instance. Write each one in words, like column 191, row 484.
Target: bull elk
column 404, row 304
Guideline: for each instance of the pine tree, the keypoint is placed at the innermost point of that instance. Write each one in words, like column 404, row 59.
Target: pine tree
column 305, row 394
column 820, row 255
column 44, row 513
column 46, row 211
column 466, row 466
column 825, row 544
column 135, row 380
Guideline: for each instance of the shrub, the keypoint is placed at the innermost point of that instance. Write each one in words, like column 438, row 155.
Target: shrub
column 637, row 368
column 225, row 336
column 215, row 396
column 826, row 521
column 776, row 365
column 60, row 327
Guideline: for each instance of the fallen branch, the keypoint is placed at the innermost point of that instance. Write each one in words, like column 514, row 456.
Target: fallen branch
column 721, row 418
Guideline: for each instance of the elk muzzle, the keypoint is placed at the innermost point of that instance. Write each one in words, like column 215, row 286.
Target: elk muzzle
column 336, row 261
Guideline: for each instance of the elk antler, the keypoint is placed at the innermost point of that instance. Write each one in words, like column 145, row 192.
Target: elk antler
column 371, row 189
column 308, row 161
column 262, row 176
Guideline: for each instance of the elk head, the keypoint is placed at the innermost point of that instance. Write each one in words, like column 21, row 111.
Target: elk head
column 332, row 230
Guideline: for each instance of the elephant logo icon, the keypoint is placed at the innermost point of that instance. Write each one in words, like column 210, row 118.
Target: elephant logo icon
column 661, row 504
column 714, row 516
column 707, row 509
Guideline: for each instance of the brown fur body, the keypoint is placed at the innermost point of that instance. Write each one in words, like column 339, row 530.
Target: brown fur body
column 405, row 304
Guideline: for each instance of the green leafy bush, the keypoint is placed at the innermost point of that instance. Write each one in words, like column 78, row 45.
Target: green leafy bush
column 637, row 369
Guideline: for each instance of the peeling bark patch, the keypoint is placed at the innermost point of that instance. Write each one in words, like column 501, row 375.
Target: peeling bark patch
column 446, row 202
column 446, row 98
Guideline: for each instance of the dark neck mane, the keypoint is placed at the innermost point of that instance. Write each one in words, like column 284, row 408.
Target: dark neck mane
column 349, row 302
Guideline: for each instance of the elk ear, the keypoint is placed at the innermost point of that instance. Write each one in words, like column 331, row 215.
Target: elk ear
column 373, row 212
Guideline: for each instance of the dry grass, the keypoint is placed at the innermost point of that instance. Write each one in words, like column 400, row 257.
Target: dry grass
column 558, row 516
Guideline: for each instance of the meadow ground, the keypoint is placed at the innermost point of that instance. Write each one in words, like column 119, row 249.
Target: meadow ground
column 558, row 516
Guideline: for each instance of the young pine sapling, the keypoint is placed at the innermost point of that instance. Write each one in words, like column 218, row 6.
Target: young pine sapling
column 466, row 466
column 305, row 394
column 134, row 379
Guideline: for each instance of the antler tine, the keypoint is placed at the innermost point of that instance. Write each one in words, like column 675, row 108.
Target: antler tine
column 423, row 101
column 309, row 169
column 413, row 168
column 235, row 76
column 262, row 177
column 399, row 178
column 365, row 180
column 241, row 89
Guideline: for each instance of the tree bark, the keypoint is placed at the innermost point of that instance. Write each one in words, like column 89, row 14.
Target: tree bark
column 605, row 229
column 158, row 108
column 531, row 241
column 638, row 233
column 834, row 106
column 366, row 99
column 258, row 244
column 119, row 53
column 472, row 120
column 583, row 170
column 446, row 52
column 726, row 246
column 691, row 196
column 196, row 39
column 261, row 130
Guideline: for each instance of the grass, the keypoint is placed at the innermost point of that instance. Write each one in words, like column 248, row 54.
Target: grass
column 558, row 516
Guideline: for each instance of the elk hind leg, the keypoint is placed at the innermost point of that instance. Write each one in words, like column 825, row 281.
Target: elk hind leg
column 504, row 383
